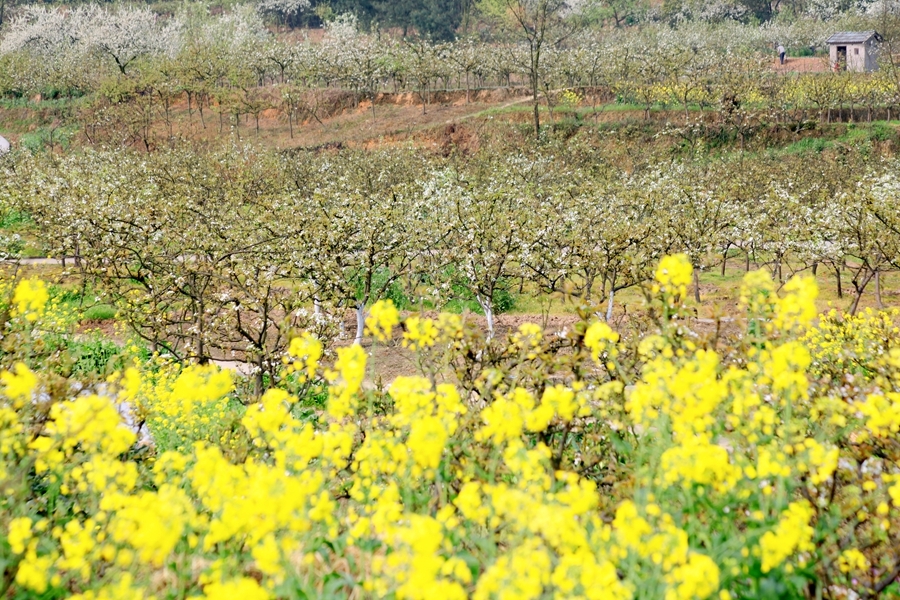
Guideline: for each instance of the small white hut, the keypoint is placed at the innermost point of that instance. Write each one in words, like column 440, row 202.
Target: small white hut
column 854, row 51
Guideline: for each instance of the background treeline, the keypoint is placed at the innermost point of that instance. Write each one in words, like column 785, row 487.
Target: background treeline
column 134, row 72
column 226, row 254
column 445, row 20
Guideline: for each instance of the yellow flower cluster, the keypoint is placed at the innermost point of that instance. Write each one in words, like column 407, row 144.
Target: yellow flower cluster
column 18, row 384
column 420, row 333
column 673, row 275
column 382, row 319
column 304, row 354
column 181, row 404
column 30, row 298
column 600, row 338
column 673, row 471
column 792, row 534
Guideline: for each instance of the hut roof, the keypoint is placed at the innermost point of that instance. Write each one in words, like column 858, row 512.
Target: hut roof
column 853, row 37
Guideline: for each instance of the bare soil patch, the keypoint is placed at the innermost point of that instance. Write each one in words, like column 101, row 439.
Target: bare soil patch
column 804, row 64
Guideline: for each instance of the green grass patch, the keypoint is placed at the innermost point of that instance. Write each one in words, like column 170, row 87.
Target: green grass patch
column 96, row 355
column 60, row 102
column 15, row 220
column 800, row 52
column 807, row 146
column 100, row 312
column 83, row 303
column 44, row 138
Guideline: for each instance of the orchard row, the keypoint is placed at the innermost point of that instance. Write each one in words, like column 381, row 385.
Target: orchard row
column 230, row 253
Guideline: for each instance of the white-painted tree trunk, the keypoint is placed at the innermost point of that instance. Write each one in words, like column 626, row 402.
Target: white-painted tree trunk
column 609, row 305
column 488, row 314
column 360, row 322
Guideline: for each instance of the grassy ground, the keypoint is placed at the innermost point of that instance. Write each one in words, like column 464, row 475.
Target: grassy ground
column 720, row 295
column 98, row 323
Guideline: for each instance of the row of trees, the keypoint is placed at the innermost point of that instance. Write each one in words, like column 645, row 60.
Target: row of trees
column 225, row 255
column 698, row 96
column 233, row 63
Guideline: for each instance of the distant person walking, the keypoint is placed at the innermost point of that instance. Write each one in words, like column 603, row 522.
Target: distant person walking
column 780, row 51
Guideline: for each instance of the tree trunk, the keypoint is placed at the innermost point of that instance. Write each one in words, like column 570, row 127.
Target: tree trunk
column 855, row 305
column 878, row 300
column 697, row 285
column 609, row 306
column 485, row 304
column 859, row 287
column 360, row 323
column 588, row 285
column 535, row 64
column 258, row 379
column 837, row 275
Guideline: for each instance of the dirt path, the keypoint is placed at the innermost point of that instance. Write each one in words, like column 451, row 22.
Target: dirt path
column 493, row 108
column 38, row 261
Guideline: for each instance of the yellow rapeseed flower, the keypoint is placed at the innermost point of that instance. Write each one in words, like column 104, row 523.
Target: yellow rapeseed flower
column 306, row 352
column 852, row 560
column 420, row 333
column 674, row 274
column 19, row 534
column 792, row 534
column 244, row 588
column 382, row 319
column 19, row 384
column 600, row 338
column 30, row 298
